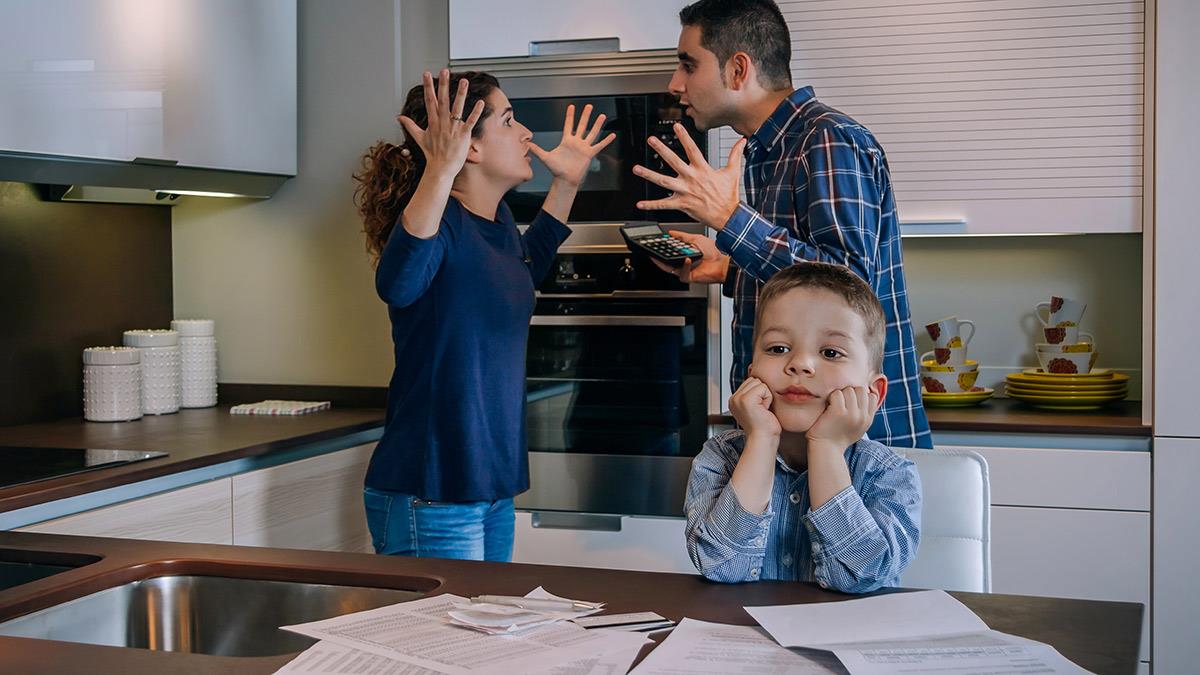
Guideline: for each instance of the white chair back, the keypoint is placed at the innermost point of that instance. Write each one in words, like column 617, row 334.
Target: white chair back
column 955, row 552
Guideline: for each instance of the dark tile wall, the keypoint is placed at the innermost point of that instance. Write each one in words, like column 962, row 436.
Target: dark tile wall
column 72, row 276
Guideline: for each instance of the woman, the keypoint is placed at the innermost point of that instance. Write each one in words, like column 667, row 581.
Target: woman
column 459, row 282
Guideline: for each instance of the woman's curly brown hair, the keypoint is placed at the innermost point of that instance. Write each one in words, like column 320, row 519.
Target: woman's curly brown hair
column 390, row 173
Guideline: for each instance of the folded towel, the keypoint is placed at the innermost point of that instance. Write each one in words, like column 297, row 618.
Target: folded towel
column 279, row 408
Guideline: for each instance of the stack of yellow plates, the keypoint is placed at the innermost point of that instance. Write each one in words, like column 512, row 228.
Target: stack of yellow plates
column 956, row 399
column 1068, row 391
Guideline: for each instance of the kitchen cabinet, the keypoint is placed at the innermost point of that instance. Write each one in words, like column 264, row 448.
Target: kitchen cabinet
column 199, row 514
column 204, row 83
column 1175, row 320
column 314, row 503
column 646, row 544
column 1073, row 553
column 1071, row 523
column 1012, row 118
column 637, row 24
column 1176, row 554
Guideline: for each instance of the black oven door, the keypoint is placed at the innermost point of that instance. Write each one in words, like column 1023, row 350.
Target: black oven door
column 621, row 377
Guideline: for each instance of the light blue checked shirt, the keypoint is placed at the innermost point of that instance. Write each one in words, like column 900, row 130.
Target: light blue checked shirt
column 859, row 541
column 818, row 189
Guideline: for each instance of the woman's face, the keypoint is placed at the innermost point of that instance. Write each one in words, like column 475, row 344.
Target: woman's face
column 502, row 150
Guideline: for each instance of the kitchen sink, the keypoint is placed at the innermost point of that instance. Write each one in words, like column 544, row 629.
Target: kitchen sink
column 216, row 615
column 21, row 567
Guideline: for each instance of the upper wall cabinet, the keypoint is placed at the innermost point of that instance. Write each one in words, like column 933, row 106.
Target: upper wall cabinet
column 1013, row 116
column 204, row 83
column 488, row 29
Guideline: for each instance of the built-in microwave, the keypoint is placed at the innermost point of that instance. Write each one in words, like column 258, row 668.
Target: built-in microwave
column 611, row 191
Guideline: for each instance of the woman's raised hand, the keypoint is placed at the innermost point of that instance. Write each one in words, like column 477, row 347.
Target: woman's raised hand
column 570, row 160
column 448, row 138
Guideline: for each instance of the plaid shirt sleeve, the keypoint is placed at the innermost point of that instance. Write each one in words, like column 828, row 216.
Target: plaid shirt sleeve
column 844, row 210
column 859, row 543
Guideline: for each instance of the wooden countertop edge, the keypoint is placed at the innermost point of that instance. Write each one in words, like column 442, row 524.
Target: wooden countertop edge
column 1102, row 635
column 41, row 492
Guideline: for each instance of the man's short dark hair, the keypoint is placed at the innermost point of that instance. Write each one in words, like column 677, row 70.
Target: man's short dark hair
column 756, row 27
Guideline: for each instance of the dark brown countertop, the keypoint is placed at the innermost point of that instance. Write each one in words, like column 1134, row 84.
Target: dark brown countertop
column 1100, row 636
column 193, row 438
column 1005, row 415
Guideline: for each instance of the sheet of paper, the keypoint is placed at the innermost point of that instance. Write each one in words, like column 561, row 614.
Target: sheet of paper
column 703, row 648
column 420, row 633
column 988, row 652
column 331, row 658
column 894, row 616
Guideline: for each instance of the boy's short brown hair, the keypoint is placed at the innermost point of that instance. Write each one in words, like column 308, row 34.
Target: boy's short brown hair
column 839, row 280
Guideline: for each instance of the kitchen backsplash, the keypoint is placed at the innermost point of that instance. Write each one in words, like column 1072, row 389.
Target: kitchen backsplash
column 74, row 276
column 997, row 281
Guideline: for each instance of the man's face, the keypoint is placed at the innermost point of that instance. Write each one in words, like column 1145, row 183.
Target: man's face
column 810, row 344
column 698, row 84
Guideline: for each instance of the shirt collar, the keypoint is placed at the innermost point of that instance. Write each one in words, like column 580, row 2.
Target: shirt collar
column 773, row 129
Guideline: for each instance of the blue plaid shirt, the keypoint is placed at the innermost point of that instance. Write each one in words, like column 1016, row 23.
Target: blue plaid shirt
column 859, row 541
column 818, row 189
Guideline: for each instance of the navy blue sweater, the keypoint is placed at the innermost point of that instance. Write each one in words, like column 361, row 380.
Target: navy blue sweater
column 460, row 304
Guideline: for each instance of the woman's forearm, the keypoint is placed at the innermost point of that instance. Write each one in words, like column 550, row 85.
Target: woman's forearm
column 423, row 214
column 559, row 199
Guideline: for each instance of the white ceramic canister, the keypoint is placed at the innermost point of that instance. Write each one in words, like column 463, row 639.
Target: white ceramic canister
column 112, row 384
column 160, row 369
column 198, row 350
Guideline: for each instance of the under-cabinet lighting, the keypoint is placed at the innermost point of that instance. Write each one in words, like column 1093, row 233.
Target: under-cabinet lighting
column 199, row 193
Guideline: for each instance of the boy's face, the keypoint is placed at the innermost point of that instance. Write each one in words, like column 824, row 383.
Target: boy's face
column 810, row 344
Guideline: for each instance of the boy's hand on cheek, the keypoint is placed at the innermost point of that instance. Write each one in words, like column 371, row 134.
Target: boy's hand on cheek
column 847, row 416
column 751, row 407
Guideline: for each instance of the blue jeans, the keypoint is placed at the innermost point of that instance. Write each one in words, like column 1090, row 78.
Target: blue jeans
column 402, row 524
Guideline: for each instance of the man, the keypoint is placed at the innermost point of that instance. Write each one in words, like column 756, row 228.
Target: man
column 817, row 189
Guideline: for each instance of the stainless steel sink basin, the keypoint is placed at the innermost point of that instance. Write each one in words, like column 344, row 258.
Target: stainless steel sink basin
column 200, row 614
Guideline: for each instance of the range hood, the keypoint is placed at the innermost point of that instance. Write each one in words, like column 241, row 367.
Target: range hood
column 140, row 181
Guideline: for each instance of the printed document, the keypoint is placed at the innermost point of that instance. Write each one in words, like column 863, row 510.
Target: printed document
column 420, row 633
column 703, row 648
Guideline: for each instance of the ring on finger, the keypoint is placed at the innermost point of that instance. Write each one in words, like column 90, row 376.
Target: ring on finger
column 455, row 118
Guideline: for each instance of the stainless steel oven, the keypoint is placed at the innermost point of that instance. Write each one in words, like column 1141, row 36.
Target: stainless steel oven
column 617, row 381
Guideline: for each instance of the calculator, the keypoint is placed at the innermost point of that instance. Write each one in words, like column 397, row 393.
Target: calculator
column 651, row 238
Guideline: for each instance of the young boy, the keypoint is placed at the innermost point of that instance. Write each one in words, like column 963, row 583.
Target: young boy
column 799, row 493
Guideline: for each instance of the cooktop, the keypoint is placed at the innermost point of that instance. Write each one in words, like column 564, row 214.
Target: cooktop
column 19, row 464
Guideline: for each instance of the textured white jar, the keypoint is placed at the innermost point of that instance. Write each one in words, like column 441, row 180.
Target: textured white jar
column 198, row 351
column 161, row 369
column 112, row 384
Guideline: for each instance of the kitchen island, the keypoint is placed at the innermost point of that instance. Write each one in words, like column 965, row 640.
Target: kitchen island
column 1100, row 636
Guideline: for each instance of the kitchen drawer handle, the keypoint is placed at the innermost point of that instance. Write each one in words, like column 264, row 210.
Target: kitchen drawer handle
column 614, row 320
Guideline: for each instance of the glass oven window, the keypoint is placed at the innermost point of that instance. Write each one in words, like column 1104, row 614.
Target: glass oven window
column 617, row 377
column 609, row 187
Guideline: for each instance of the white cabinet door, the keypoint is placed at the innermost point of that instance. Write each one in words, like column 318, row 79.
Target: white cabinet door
column 314, row 503
column 1080, row 479
column 638, row 24
column 207, row 83
column 1012, row 116
column 644, row 544
column 1073, row 553
column 1176, row 236
column 197, row 514
column 1176, row 555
